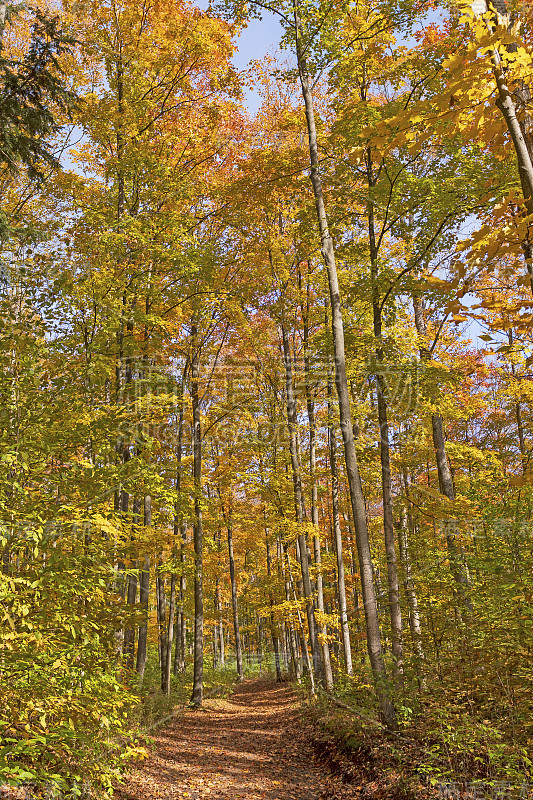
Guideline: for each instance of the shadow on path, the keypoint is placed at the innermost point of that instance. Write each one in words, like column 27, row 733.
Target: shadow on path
column 253, row 745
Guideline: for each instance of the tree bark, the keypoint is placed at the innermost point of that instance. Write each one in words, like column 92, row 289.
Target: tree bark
column 273, row 628
column 444, row 473
column 356, row 493
column 298, row 498
column 384, row 451
column 293, row 647
column 165, row 682
column 305, row 651
column 507, row 106
column 161, row 620
column 178, row 523
column 129, row 637
column 144, row 591
column 3, row 9
column 518, row 415
column 337, row 537
column 522, row 144
column 410, row 592
column 221, row 638
column 198, row 683
column 322, row 628
column 179, row 646
column 234, row 601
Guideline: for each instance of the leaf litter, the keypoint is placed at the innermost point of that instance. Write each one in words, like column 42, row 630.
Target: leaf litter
column 254, row 745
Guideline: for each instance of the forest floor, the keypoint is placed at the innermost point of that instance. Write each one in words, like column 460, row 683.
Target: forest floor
column 253, row 745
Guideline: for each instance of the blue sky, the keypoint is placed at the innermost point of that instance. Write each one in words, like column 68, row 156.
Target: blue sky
column 258, row 38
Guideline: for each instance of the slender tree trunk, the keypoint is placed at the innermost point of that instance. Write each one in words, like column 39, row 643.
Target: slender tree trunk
column 521, row 438
column 181, row 640
column 129, row 638
column 305, row 651
column 412, row 599
column 198, row 678
column 507, row 106
column 518, row 415
column 298, row 498
column 445, row 476
column 119, row 336
column 522, row 142
column 183, row 627
column 356, row 493
column 178, row 528
column 293, row 646
column 3, row 9
column 180, row 649
column 322, row 628
column 234, row 601
column 221, row 639
column 283, row 645
column 218, row 628
column 337, row 538
column 273, row 630
column 129, row 635
column 177, row 642
column 216, row 610
column 165, row 684
column 161, row 620
column 353, row 559
column 144, row 592
column 384, row 451
column 144, row 574
column 144, row 589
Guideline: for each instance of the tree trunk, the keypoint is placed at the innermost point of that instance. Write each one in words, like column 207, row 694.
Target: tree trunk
column 410, row 592
column 293, row 647
column 305, row 651
column 323, row 633
column 384, row 453
column 221, row 640
column 356, row 493
column 273, row 630
column 337, row 538
column 443, row 469
column 198, row 678
column 518, row 414
column 522, row 143
column 144, row 592
column 179, row 530
column 180, row 646
column 161, row 621
column 165, row 683
column 3, row 9
column 234, row 602
column 507, row 106
column 129, row 638
column 298, row 498
column 216, row 609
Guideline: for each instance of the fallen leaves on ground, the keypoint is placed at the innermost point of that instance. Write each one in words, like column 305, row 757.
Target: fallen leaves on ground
column 254, row 745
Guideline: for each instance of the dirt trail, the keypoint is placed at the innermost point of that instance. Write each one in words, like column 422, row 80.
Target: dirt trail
column 253, row 745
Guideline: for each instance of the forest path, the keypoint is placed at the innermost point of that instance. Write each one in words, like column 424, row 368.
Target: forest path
column 253, row 745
